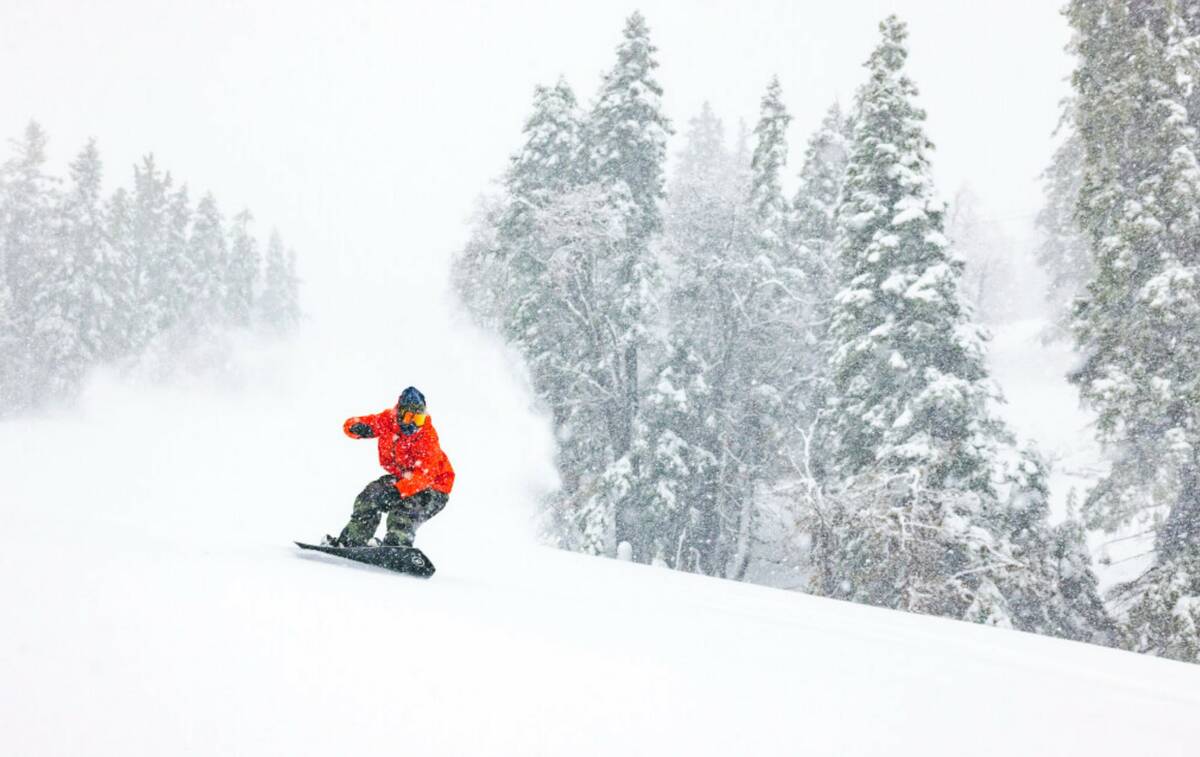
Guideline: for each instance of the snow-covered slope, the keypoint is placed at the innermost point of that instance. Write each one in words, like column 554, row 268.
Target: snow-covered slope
column 151, row 603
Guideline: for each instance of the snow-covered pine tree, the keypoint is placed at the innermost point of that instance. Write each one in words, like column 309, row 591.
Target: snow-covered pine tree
column 705, row 214
column 706, row 196
column 917, row 522
column 1056, row 593
column 1191, row 17
column 625, row 146
column 478, row 274
column 754, row 392
column 498, row 274
column 545, row 258
column 10, row 348
column 86, row 272
column 1063, row 250
column 241, row 271
column 28, row 254
column 674, row 441
column 292, row 313
column 121, row 328
column 180, row 277
column 208, row 252
column 767, row 164
column 277, row 311
column 1137, row 321
column 716, row 415
column 813, row 230
column 813, row 215
column 584, row 376
column 910, row 389
column 548, row 167
column 144, row 258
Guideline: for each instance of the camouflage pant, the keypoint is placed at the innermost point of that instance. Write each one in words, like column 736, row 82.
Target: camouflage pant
column 405, row 514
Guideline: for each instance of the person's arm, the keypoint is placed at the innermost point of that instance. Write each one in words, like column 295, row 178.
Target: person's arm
column 361, row 427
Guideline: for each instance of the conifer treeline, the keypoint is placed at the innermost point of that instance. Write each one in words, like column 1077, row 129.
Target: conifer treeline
column 786, row 391
column 86, row 280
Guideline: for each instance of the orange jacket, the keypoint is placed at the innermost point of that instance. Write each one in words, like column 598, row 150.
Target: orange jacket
column 416, row 460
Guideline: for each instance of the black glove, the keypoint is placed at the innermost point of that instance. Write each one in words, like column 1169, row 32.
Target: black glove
column 362, row 431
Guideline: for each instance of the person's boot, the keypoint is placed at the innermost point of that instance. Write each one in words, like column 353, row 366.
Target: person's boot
column 331, row 541
column 398, row 539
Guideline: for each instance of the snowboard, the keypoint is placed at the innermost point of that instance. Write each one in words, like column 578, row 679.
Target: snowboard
column 408, row 560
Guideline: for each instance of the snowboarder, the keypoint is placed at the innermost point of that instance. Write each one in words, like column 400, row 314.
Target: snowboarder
column 418, row 480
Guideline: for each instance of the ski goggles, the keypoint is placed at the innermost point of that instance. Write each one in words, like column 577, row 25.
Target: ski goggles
column 417, row 419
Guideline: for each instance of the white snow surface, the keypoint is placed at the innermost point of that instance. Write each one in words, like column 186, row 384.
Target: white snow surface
column 151, row 600
column 152, row 603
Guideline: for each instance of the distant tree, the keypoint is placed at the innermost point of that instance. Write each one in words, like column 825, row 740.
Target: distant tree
column 814, row 211
column 83, row 279
column 1063, row 250
column 241, row 271
column 625, row 143
column 131, row 279
column 717, row 410
column 208, row 253
column 992, row 283
column 121, row 330
column 29, row 257
column 11, row 345
column 144, row 258
column 278, row 309
column 179, row 288
column 813, row 236
column 705, row 216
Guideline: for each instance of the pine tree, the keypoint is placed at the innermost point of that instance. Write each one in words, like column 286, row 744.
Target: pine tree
column 547, row 168
column 909, row 381
column 145, row 259
column 29, row 257
column 813, row 230
column 1063, row 250
column 208, row 253
column 917, row 520
column 544, row 259
column 84, row 274
column 753, row 387
column 625, row 142
column 1139, row 207
column 705, row 216
column 181, row 279
column 1056, row 593
column 122, row 329
column 499, row 272
column 675, row 441
column 716, row 415
column 813, row 214
column 241, row 271
column 277, row 307
column 292, row 313
column 10, row 350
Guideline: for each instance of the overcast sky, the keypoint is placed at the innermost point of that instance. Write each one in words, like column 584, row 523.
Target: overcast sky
column 364, row 130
